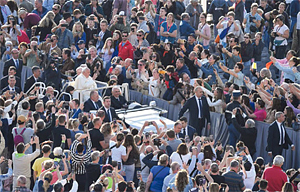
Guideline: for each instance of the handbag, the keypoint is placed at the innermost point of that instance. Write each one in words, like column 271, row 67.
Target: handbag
column 253, row 28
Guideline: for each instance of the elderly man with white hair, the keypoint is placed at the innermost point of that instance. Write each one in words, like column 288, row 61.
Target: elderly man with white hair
column 117, row 100
column 32, row 55
column 65, row 36
column 83, row 82
column 7, row 54
column 275, row 176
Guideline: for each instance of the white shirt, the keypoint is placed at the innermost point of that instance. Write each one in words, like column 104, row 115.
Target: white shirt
column 279, row 127
column 250, row 179
column 153, row 87
column 298, row 21
column 117, row 153
column 186, row 130
column 281, row 30
column 176, row 157
column 199, row 112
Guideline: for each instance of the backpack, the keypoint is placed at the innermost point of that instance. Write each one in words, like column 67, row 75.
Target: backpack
column 18, row 137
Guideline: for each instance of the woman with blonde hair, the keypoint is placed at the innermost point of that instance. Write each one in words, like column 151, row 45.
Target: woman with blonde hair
column 183, row 183
column 78, row 33
column 45, row 25
column 45, row 179
column 107, row 51
column 149, row 11
column 75, row 129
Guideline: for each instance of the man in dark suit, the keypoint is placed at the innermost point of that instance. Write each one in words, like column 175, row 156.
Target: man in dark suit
column 278, row 139
column 248, row 133
column 33, row 78
column 4, row 80
column 110, row 113
column 199, row 110
column 14, row 61
column 12, row 86
column 187, row 129
column 117, row 100
column 93, row 103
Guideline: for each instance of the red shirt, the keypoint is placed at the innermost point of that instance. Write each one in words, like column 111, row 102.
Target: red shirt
column 125, row 51
column 30, row 20
column 275, row 177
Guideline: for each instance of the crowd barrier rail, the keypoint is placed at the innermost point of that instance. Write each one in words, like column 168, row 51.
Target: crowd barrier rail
column 220, row 132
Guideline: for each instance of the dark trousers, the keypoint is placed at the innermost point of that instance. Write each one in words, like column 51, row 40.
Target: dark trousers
column 233, row 135
column 280, row 52
column 199, row 127
column 168, row 96
column 80, row 178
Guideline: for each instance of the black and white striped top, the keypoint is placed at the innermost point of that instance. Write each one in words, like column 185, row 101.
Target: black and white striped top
column 79, row 160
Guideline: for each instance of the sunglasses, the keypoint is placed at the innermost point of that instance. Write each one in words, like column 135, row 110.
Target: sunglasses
column 246, row 37
column 124, row 35
column 202, row 17
column 54, row 9
column 153, row 55
column 140, row 64
column 139, row 35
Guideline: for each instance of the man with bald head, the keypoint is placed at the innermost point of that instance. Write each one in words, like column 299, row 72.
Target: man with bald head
column 32, row 55
column 198, row 110
column 14, row 61
column 93, row 103
column 117, row 100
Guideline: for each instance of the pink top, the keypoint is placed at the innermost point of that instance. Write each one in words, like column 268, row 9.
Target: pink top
column 206, row 31
column 284, row 63
column 260, row 115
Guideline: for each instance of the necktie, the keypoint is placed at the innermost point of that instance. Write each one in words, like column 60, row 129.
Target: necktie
column 96, row 106
column 17, row 63
column 184, row 132
column 282, row 130
column 108, row 115
column 200, row 106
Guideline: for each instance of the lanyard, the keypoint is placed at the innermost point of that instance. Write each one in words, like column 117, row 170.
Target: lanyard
column 159, row 23
column 4, row 10
column 168, row 28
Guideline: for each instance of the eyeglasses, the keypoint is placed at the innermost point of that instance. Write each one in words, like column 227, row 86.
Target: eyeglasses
column 246, row 37
column 202, row 17
column 140, row 64
column 124, row 35
column 54, row 9
column 138, row 35
column 91, row 44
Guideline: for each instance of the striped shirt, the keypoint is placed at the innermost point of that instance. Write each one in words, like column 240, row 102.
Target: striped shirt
column 234, row 181
column 79, row 160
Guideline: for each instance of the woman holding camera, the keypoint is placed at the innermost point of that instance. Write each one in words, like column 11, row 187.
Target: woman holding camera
column 182, row 181
column 280, row 34
column 45, row 25
column 12, row 30
column 107, row 51
column 78, row 33
column 252, row 20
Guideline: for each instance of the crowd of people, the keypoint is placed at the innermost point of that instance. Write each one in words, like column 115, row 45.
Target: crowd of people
column 239, row 58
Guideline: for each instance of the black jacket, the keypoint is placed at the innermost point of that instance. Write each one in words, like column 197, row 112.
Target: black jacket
column 257, row 50
column 89, row 105
column 11, row 62
column 192, row 106
column 17, row 89
column 4, row 82
column 274, row 137
column 248, row 136
column 118, row 104
column 114, row 115
column 246, row 51
column 29, row 82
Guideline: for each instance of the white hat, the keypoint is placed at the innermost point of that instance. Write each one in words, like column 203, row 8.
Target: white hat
column 122, row 13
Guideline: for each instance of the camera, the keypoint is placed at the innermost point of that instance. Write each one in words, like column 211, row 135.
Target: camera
column 156, row 141
column 92, row 18
column 64, row 25
column 120, row 20
column 252, row 18
column 200, row 181
column 274, row 34
column 132, row 29
column 147, row 135
column 35, row 47
column 150, row 123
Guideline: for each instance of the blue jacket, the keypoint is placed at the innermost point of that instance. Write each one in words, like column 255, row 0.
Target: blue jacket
column 183, row 69
column 218, row 8
column 294, row 8
column 185, row 29
column 209, row 70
